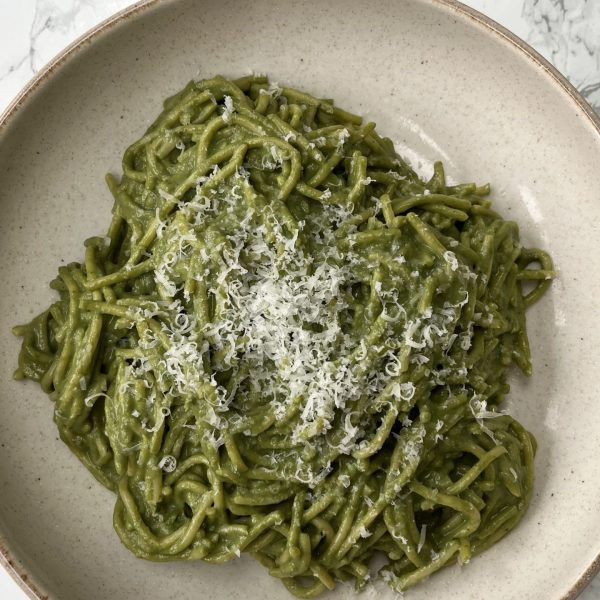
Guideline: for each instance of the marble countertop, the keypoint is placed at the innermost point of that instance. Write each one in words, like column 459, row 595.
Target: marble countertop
column 566, row 32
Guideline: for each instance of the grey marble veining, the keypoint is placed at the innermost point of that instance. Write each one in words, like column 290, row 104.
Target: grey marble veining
column 566, row 32
column 33, row 31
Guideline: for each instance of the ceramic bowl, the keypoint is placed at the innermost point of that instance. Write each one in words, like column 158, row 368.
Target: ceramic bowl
column 443, row 82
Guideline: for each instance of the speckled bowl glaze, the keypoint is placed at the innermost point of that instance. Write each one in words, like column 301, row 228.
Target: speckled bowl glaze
column 443, row 82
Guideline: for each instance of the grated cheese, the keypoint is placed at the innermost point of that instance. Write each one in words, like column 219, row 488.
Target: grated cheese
column 167, row 463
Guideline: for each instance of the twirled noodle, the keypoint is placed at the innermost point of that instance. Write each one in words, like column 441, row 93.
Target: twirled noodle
column 289, row 345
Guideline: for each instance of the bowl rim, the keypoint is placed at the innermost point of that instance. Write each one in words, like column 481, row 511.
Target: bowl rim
column 10, row 563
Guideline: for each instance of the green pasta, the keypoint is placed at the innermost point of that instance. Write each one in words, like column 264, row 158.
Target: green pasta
column 289, row 345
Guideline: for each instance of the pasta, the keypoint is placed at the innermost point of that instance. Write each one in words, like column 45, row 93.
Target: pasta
column 289, row 345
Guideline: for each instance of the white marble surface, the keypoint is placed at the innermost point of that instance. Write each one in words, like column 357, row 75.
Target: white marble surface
column 567, row 32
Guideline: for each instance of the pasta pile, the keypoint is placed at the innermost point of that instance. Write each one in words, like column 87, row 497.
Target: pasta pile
column 289, row 345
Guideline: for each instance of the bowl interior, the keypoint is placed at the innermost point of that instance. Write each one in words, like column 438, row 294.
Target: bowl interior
column 439, row 84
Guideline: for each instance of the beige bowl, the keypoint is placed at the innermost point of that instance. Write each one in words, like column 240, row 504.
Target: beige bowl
column 441, row 80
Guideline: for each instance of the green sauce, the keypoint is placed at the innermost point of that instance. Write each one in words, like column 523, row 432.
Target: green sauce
column 289, row 345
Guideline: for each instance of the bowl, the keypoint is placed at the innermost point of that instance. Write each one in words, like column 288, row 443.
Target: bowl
column 444, row 83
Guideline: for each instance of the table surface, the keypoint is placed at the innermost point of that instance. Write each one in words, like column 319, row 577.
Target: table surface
column 566, row 32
